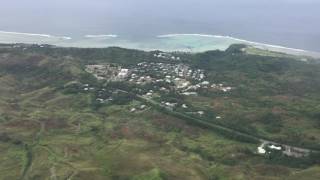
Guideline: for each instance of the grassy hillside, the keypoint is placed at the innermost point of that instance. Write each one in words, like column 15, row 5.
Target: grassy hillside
column 275, row 97
column 51, row 131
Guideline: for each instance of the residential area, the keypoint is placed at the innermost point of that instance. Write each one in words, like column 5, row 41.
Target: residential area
column 155, row 81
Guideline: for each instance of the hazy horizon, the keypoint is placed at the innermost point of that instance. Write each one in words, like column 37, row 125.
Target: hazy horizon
column 290, row 23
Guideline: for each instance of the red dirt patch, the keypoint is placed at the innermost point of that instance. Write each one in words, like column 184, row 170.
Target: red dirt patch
column 278, row 111
column 272, row 170
column 169, row 124
column 23, row 124
column 54, row 124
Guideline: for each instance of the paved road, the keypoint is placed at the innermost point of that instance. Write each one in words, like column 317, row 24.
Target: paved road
column 288, row 149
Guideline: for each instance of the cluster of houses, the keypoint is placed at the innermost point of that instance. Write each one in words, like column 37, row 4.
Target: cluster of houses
column 184, row 79
column 138, row 108
column 168, row 71
column 108, row 72
column 167, row 56
column 267, row 147
column 263, row 148
column 167, row 77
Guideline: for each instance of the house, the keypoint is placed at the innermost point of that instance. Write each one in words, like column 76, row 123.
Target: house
column 123, row 73
column 275, row 147
column 200, row 113
column 133, row 109
column 261, row 150
column 189, row 93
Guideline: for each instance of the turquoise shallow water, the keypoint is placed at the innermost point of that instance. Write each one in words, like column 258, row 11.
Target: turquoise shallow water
column 176, row 42
column 169, row 42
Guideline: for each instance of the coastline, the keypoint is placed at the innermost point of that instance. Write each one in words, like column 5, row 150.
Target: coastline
column 232, row 38
column 101, row 36
column 35, row 34
column 259, row 45
column 165, row 42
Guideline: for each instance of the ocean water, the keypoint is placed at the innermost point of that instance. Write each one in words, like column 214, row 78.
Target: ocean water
column 193, row 25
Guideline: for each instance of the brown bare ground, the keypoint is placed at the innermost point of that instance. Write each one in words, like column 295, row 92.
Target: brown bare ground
column 23, row 124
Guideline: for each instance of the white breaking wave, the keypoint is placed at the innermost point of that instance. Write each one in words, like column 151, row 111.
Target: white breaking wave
column 102, row 36
column 177, row 35
column 34, row 34
column 66, row 37
column 235, row 39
